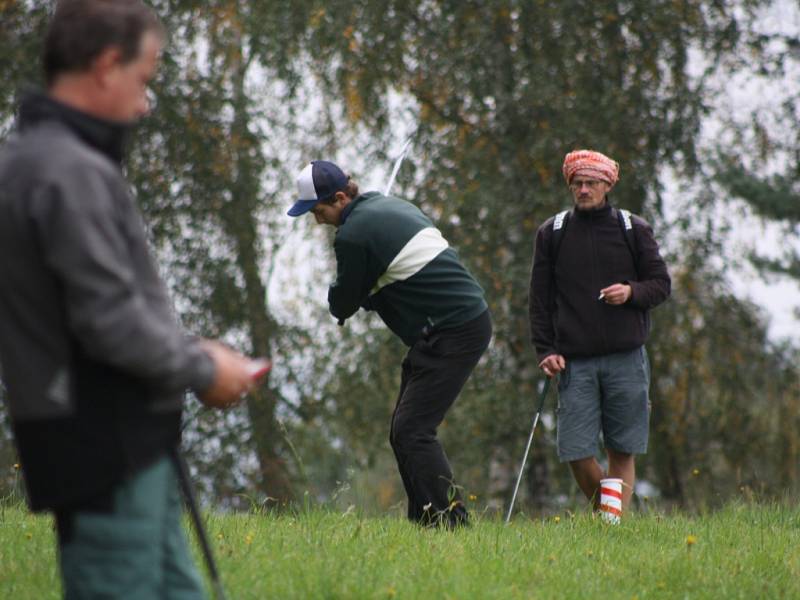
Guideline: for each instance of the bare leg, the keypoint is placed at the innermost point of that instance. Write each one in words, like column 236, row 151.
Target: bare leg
column 623, row 466
column 588, row 473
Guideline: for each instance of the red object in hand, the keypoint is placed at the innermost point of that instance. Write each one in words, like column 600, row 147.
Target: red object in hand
column 259, row 368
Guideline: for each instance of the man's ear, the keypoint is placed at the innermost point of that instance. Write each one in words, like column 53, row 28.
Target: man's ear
column 341, row 198
column 104, row 65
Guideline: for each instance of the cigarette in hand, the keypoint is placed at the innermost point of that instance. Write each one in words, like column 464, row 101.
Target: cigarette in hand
column 601, row 296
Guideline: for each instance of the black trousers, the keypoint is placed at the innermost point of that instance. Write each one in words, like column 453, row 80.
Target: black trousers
column 434, row 371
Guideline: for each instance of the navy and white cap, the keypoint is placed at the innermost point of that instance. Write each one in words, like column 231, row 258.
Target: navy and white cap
column 319, row 180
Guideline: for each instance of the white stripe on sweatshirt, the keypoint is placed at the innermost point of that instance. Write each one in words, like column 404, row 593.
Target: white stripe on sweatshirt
column 420, row 250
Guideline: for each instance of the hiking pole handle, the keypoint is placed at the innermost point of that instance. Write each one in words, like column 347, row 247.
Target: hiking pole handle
column 543, row 395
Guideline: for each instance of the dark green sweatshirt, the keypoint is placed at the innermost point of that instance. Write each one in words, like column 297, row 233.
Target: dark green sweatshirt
column 391, row 259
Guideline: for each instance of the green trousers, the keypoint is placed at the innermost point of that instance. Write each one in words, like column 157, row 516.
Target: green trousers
column 135, row 550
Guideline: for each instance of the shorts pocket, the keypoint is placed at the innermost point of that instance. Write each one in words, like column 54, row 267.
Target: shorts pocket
column 645, row 363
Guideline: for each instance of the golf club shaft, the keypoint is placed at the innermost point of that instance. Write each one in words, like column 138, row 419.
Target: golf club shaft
column 528, row 447
column 191, row 503
column 396, row 168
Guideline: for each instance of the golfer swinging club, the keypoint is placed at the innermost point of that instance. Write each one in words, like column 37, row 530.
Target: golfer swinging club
column 391, row 259
column 596, row 273
column 93, row 359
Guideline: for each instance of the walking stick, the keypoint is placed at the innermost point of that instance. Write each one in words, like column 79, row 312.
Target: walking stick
column 191, row 503
column 542, row 396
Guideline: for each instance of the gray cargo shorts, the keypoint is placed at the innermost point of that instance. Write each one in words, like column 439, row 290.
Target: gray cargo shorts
column 608, row 394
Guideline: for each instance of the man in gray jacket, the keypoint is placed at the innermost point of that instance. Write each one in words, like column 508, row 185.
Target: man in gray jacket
column 94, row 362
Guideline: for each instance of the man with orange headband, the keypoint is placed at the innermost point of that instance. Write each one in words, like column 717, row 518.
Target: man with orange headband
column 596, row 274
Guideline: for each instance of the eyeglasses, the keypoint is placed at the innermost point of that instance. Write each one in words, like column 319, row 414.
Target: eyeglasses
column 592, row 184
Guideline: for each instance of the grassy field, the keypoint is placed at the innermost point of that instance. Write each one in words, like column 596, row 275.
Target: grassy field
column 743, row 551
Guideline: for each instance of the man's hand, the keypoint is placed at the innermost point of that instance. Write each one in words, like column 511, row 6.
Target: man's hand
column 553, row 364
column 619, row 293
column 234, row 375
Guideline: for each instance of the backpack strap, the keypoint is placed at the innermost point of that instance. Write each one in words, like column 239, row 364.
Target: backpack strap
column 626, row 224
column 559, row 225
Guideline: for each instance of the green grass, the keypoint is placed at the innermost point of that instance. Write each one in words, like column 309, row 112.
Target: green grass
column 742, row 551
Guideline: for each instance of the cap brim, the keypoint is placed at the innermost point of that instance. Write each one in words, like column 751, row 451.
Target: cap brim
column 301, row 207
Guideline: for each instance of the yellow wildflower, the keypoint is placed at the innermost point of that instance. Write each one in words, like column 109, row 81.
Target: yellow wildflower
column 691, row 540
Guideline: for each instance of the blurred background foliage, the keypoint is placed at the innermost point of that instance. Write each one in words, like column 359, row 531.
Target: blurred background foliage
column 492, row 94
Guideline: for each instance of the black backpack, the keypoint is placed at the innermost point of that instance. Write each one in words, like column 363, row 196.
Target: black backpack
column 561, row 220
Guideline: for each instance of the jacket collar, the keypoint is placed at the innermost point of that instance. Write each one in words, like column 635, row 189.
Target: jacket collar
column 595, row 213
column 107, row 137
column 349, row 208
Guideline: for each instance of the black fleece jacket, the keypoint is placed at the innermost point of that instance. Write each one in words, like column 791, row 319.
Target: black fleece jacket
column 566, row 316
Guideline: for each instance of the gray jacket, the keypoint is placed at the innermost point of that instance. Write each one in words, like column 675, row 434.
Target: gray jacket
column 88, row 337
